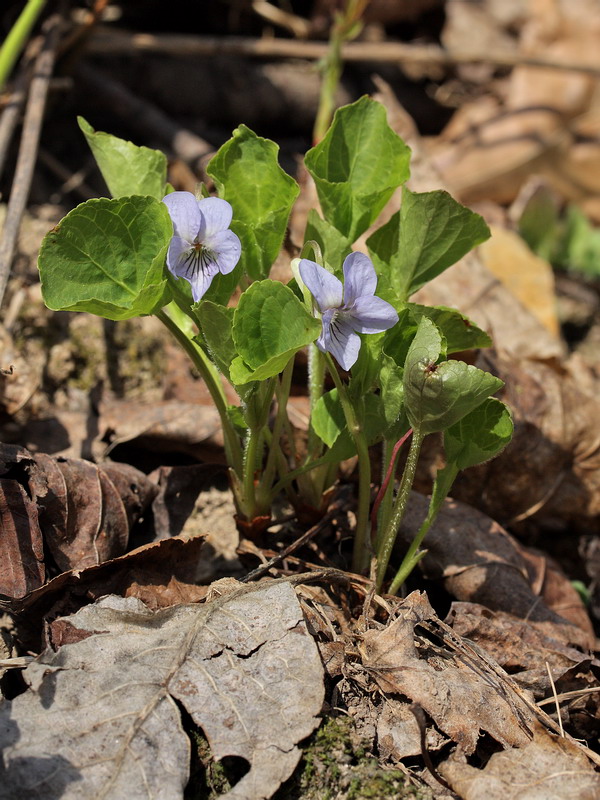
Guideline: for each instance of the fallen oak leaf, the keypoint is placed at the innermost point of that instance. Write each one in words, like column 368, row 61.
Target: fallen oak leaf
column 101, row 719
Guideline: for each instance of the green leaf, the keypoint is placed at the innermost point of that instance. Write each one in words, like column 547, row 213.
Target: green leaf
column 539, row 224
column 392, row 390
column 439, row 395
column 107, row 257
column 216, row 323
column 397, row 341
column 270, row 324
column 429, row 233
column 327, row 418
column 334, row 246
column 247, row 175
column 357, row 166
column 127, row 168
column 581, row 245
column 329, row 423
column 458, row 331
column 480, row 435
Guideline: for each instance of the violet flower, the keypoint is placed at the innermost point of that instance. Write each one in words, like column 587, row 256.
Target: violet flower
column 202, row 245
column 348, row 309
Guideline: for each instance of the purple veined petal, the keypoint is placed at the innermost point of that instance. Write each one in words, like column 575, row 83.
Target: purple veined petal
column 226, row 249
column 184, row 213
column 326, row 289
column 372, row 315
column 215, row 217
column 197, row 265
column 360, row 278
column 339, row 339
column 177, row 250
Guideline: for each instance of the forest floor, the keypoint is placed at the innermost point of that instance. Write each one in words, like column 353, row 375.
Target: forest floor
column 483, row 679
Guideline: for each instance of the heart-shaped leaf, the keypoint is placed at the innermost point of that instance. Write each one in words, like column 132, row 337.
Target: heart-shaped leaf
column 107, row 257
column 247, row 174
column 357, row 166
column 270, row 324
column 127, row 168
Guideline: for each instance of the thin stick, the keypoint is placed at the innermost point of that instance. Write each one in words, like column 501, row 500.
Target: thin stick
column 296, row 25
column 556, row 703
column 12, row 113
column 32, row 126
column 299, row 542
column 113, row 42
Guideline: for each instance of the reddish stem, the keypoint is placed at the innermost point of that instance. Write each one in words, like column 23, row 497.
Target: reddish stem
column 386, row 482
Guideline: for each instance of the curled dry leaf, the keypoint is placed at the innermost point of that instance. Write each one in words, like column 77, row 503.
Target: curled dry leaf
column 101, row 716
column 550, row 472
column 84, row 511
column 21, row 546
column 161, row 574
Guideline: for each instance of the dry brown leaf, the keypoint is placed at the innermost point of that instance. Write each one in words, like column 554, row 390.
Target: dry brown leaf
column 480, row 562
column 452, row 692
column 550, row 472
column 21, row 547
column 521, row 647
column 529, row 277
column 84, row 518
column 188, row 428
column 100, row 717
column 546, row 767
column 161, row 574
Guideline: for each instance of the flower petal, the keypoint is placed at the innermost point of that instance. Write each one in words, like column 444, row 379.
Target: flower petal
column 326, row 289
column 176, row 252
column 372, row 315
column 226, row 249
column 184, row 213
column 339, row 339
column 197, row 266
column 215, row 216
column 360, row 278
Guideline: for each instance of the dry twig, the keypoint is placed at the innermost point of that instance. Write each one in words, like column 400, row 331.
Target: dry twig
column 118, row 42
column 32, row 125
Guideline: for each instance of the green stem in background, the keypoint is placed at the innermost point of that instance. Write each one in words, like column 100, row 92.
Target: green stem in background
column 297, row 473
column 17, row 37
column 388, row 536
column 346, row 26
column 209, row 374
column 263, row 494
column 443, row 483
column 360, row 556
column 316, row 382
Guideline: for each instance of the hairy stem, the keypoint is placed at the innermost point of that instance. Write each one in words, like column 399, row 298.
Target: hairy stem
column 360, row 556
column 209, row 374
column 388, row 537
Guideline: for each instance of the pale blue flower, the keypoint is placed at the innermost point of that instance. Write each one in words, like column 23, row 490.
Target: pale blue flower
column 347, row 309
column 202, row 245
